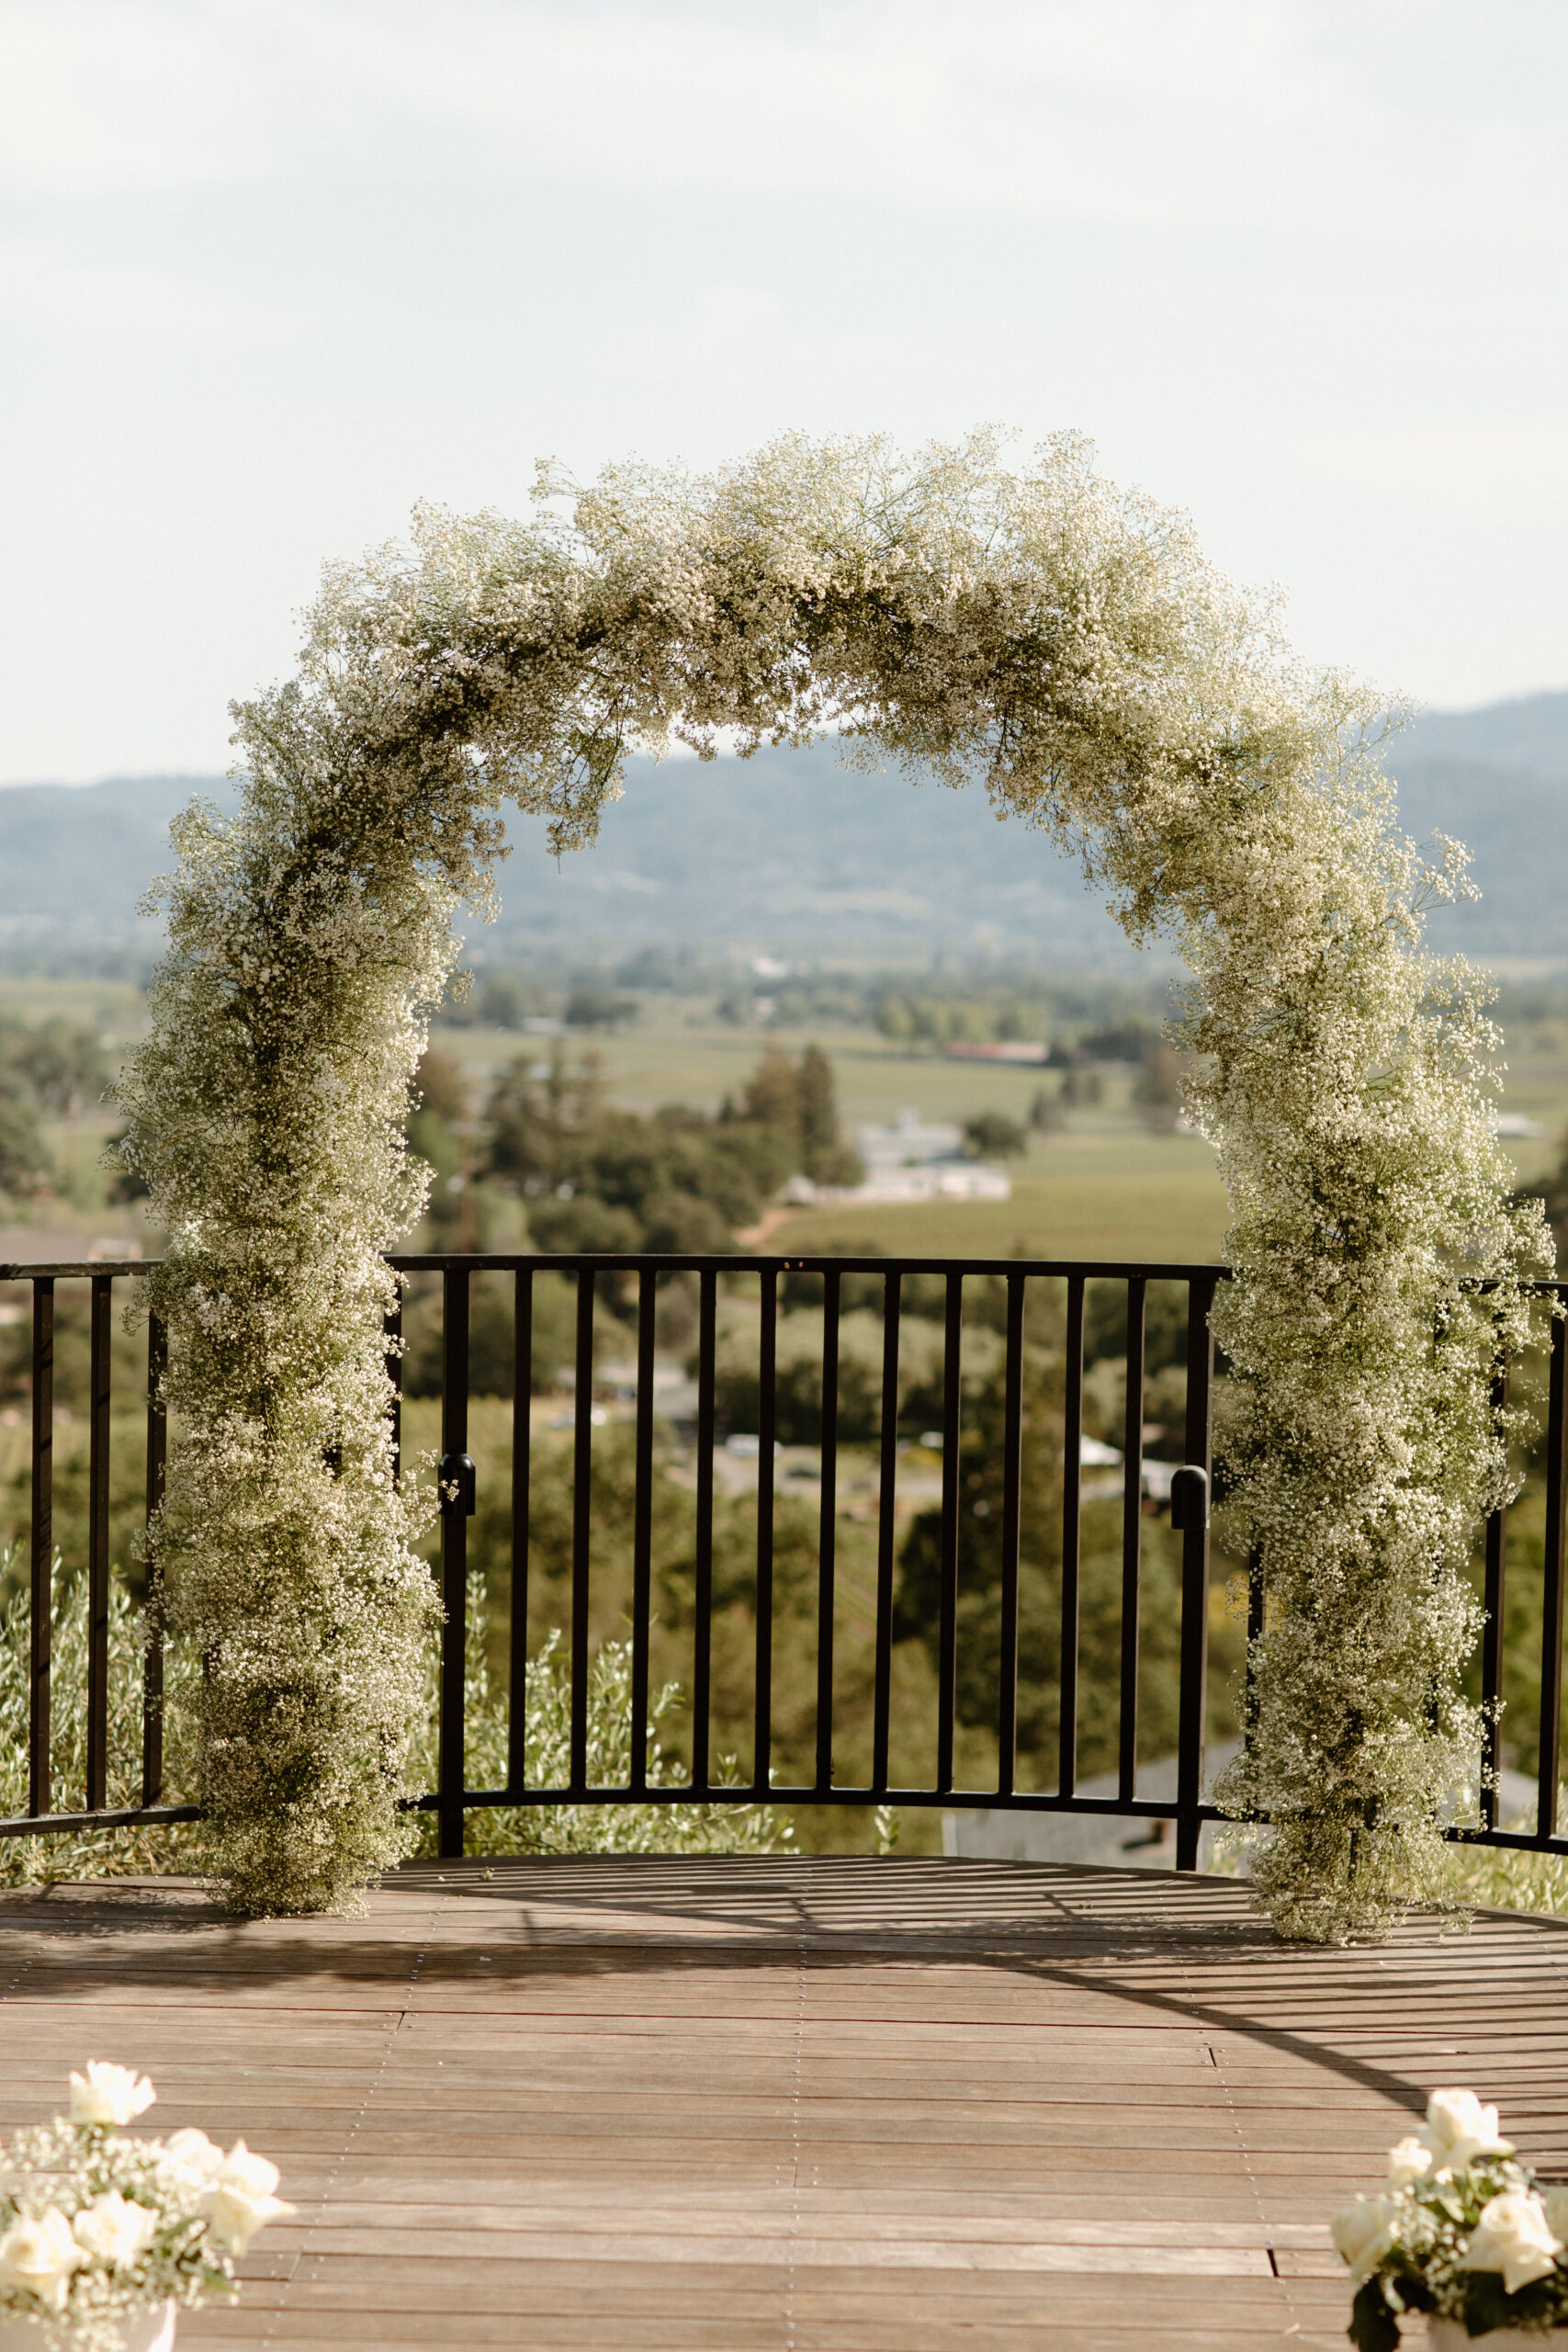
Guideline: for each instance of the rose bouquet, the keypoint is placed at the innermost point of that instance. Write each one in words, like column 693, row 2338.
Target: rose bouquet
column 1462, row 2232
column 102, row 2238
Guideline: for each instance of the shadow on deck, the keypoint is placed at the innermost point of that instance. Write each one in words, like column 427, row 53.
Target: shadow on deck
column 818, row 2104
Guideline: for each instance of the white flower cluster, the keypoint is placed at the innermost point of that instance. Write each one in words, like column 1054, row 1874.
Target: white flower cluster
column 1065, row 645
column 94, row 2227
column 1463, row 2231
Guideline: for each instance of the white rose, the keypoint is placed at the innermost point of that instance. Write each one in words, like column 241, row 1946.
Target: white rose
column 1554, row 2203
column 40, row 2257
column 108, row 2094
column 1362, row 2234
column 195, row 2152
column 115, row 2229
column 1514, row 2236
column 240, row 2202
column 1408, row 2160
column 1459, row 2129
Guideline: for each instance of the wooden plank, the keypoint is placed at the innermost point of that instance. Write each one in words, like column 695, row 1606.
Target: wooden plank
column 909, row 2105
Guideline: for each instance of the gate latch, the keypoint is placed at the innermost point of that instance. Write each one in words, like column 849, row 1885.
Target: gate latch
column 1189, row 1497
column 456, row 1478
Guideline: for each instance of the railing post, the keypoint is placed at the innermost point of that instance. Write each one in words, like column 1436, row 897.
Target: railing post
column 827, row 1530
column 642, row 1529
column 1012, row 1493
column 1552, row 1593
column 702, row 1584
column 1195, row 1576
column 767, row 1412
column 1131, row 1541
column 99, row 1406
column 42, row 1596
column 582, row 1526
column 1492, row 1632
column 153, row 1651
column 947, row 1602
column 886, row 1531
column 455, row 1508
column 1072, row 1541
column 521, row 1472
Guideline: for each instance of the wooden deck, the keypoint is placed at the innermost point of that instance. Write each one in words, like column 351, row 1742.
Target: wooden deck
column 816, row 2105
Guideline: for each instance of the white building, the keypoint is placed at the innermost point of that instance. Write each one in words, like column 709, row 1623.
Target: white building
column 910, row 1161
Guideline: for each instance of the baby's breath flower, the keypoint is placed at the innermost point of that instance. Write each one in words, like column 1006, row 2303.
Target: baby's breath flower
column 1065, row 645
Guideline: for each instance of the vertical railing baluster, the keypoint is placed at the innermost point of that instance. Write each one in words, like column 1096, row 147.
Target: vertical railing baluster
column 393, row 1359
column 1256, row 1616
column 642, row 1530
column 522, row 1463
column 451, row 1766
column 1492, row 1632
column 1553, row 1594
column 767, row 1417
column 827, row 1524
column 1072, row 1539
column 947, row 1604
column 1193, row 1701
column 1132, row 1541
column 153, row 1649
column 101, row 1312
column 702, row 1589
column 886, row 1532
column 1012, row 1482
column 42, row 1596
column 582, row 1526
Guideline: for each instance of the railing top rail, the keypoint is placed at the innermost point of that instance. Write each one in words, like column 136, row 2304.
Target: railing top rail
column 480, row 1261
column 71, row 1269
column 734, row 1262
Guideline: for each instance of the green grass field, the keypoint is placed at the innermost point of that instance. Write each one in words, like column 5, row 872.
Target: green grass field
column 1076, row 1196
column 1103, row 1187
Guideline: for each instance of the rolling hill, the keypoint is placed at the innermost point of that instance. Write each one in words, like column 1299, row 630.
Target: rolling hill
column 790, row 852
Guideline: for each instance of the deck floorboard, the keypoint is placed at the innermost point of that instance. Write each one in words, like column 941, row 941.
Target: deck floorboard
column 794, row 2105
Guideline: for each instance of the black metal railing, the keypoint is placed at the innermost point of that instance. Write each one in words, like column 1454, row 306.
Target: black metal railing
column 633, row 1286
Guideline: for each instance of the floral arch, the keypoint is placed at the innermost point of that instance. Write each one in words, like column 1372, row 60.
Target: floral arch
column 1064, row 644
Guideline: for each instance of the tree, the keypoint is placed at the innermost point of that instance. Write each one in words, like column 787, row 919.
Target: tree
column 980, row 1527
column 799, row 1102
column 772, row 1093
column 992, row 1134
column 596, row 1008
column 601, row 1179
column 26, row 1170
column 64, row 1066
column 1160, row 1089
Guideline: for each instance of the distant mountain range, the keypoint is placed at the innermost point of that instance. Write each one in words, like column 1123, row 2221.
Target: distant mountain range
column 790, row 852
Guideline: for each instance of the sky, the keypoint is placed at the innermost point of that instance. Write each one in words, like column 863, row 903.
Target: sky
column 273, row 270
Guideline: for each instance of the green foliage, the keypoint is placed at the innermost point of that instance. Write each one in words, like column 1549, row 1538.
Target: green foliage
column 796, row 1101
column 50, row 1071
column 1158, row 1090
column 980, row 1562
column 1505, row 1878
column 1081, row 1090
column 668, row 1828
column 595, row 1008
column 65, row 1067
column 1374, row 2327
column 992, row 1134
column 1463, row 2231
column 97, row 1853
column 679, row 1181
column 501, row 999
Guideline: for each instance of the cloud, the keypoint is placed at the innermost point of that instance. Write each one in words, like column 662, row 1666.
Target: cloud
column 1244, row 117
